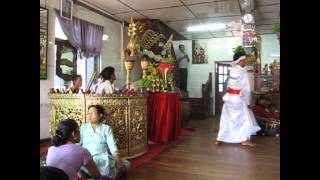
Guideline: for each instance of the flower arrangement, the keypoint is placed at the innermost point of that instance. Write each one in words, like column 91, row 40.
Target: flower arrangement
column 170, row 60
column 153, row 81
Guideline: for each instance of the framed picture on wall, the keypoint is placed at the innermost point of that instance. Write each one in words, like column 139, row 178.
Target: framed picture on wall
column 66, row 60
column 199, row 52
column 43, row 42
column 247, row 39
column 66, row 8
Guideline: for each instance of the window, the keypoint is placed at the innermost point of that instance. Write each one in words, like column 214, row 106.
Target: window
column 91, row 66
column 85, row 67
column 222, row 70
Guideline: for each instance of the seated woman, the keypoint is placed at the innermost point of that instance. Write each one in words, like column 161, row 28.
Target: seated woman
column 275, row 119
column 99, row 140
column 260, row 108
column 66, row 155
column 265, row 117
column 107, row 78
column 76, row 84
column 275, row 112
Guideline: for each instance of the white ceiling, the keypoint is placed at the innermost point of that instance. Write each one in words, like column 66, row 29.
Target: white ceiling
column 178, row 14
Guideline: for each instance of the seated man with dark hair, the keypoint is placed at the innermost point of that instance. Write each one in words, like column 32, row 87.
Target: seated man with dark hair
column 76, row 84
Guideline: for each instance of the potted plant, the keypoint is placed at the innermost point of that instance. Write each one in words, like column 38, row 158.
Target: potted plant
column 239, row 49
column 276, row 28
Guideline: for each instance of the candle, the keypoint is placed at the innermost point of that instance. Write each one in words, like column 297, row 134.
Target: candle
column 165, row 75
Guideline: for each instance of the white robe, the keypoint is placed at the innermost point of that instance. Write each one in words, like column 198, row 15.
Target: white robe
column 105, row 88
column 237, row 122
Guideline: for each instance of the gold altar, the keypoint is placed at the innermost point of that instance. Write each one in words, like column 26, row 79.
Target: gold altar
column 126, row 115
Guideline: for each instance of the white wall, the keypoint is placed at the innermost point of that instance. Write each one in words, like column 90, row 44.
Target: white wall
column 219, row 49
column 110, row 55
column 270, row 48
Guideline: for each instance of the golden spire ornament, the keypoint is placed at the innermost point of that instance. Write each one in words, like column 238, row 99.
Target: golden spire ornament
column 132, row 33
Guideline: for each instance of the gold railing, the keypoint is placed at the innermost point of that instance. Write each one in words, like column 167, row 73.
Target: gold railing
column 126, row 115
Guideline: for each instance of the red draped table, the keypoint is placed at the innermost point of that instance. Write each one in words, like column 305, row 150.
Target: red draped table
column 163, row 113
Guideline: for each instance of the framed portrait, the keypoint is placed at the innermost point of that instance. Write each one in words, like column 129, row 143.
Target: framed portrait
column 199, row 52
column 43, row 42
column 66, row 8
column 247, row 39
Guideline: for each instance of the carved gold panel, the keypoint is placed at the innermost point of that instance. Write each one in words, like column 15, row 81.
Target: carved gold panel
column 65, row 106
column 137, row 125
column 127, row 116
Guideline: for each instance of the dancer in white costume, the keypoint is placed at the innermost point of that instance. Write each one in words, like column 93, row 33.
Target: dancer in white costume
column 237, row 122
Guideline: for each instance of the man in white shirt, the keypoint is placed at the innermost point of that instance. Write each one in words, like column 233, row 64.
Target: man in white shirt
column 183, row 60
column 107, row 77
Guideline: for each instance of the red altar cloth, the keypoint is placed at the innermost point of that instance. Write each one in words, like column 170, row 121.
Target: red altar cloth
column 163, row 113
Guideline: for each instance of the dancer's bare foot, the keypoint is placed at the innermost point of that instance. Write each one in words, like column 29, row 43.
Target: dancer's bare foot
column 218, row 143
column 248, row 143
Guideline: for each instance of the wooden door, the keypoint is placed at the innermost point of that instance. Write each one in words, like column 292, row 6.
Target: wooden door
column 221, row 74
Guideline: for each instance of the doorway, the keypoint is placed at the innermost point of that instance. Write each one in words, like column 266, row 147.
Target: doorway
column 221, row 74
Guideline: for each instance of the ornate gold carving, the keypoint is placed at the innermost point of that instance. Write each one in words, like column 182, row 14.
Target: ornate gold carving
column 138, row 124
column 66, row 106
column 125, row 115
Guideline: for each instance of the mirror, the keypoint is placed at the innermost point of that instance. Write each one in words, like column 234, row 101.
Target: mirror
column 43, row 42
column 66, row 60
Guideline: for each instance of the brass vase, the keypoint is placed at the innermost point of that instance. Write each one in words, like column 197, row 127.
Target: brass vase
column 129, row 66
column 144, row 66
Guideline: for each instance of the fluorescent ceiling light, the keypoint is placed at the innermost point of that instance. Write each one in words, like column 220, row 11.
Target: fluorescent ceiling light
column 105, row 37
column 207, row 27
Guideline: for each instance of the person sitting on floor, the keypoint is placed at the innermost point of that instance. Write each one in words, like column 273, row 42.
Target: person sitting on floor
column 266, row 118
column 273, row 109
column 275, row 128
column 260, row 108
column 52, row 173
column 68, row 156
column 98, row 138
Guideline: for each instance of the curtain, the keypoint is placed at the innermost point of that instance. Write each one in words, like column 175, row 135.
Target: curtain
column 91, row 39
column 82, row 35
column 72, row 29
